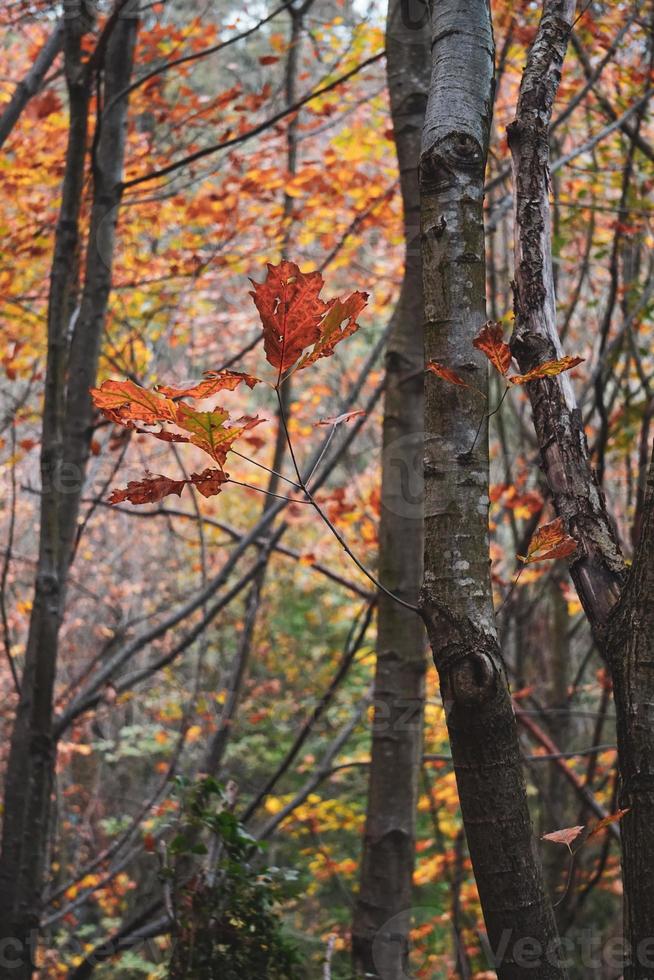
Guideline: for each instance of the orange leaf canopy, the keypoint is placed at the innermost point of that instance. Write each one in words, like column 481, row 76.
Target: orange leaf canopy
column 549, row 541
column 294, row 317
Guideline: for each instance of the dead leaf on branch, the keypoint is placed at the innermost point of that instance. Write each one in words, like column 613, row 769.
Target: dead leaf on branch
column 607, row 821
column 548, row 369
column 489, row 341
column 549, row 541
column 446, row 374
column 565, row 836
column 294, row 317
column 155, row 488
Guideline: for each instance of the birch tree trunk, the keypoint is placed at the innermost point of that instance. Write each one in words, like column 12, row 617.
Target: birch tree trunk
column 456, row 596
column 74, row 337
column 381, row 920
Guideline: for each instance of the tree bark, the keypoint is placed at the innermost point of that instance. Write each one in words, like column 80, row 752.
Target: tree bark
column 598, row 568
column 456, row 596
column 74, row 336
column 631, row 655
column 621, row 615
column 382, row 914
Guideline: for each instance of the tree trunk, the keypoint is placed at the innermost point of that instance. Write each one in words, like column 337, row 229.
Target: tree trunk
column 631, row 653
column 67, row 430
column 381, row 919
column 456, row 597
column 621, row 616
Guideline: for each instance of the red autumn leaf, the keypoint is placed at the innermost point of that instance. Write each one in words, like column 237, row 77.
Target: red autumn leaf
column 549, row 541
column 149, row 843
column 548, row 369
column 489, row 341
column 446, row 374
column 565, row 836
column 290, row 308
column 339, row 322
column 337, row 419
column 294, row 316
column 211, row 384
column 268, row 59
column 214, row 432
column 607, row 821
column 147, row 491
column 209, row 482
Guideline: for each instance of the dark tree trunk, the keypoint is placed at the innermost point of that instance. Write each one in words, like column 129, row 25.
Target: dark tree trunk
column 74, row 337
column 456, row 596
column 381, row 920
column 631, row 655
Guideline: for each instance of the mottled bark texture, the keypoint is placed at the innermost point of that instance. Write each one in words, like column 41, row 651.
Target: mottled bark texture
column 75, row 327
column 382, row 919
column 597, row 569
column 456, row 596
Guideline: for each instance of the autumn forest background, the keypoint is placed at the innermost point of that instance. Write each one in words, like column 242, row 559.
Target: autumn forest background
column 214, row 657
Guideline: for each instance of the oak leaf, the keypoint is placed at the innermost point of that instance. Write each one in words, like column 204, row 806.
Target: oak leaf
column 211, row 384
column 549, row 541
column 125, row 402
column 294, row 317
column 489, row 341
column 209, row 483
column 147, row 491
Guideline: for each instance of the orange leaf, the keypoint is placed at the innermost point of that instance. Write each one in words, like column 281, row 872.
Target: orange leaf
column 446, row 374
column 607, row 821
column 209, row 482
column 565, row 836
column 147, row 491
column 547, row 370
column 212, row 383
column 549, row 541
column 294, row 317
column 489, row 341
column 125, row 402
column 339, row 322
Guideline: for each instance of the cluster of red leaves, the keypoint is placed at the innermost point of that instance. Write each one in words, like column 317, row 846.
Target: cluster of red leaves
column 298, row 328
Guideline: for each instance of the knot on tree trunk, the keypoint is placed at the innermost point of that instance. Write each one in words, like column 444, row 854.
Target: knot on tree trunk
column 453, row 155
